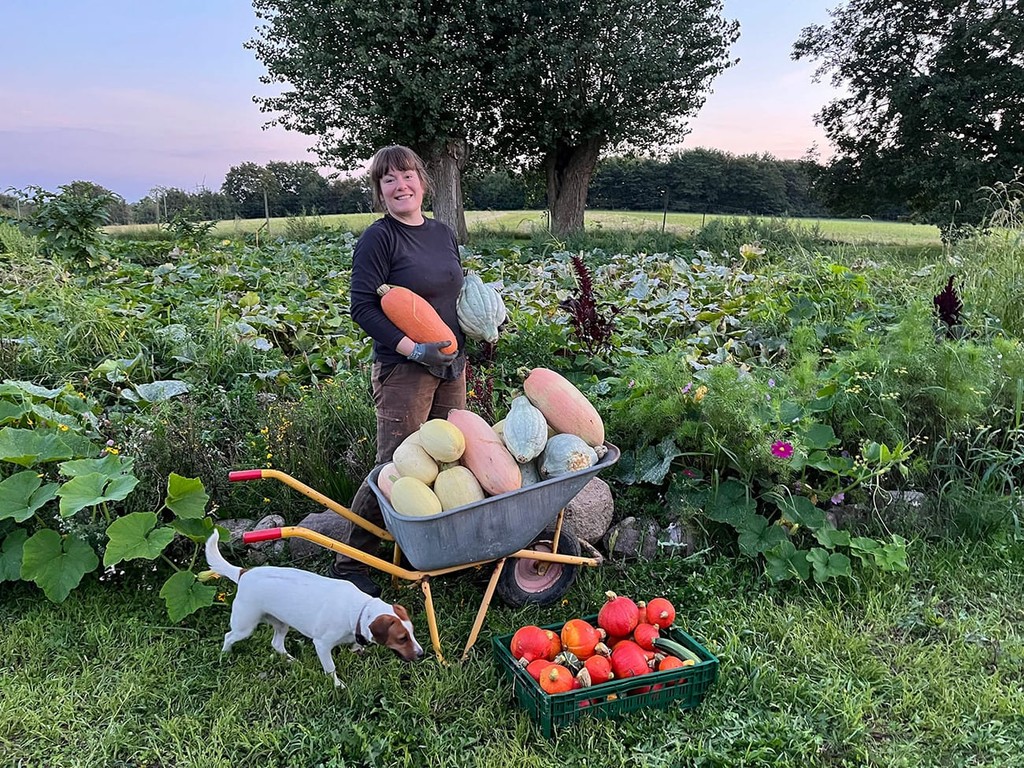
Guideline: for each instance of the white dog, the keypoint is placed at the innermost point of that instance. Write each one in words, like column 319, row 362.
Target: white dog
column 327, row 611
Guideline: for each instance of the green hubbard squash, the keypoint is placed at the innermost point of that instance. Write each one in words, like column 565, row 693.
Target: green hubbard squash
column 566, row 453
column 480, row 309
column 525, row 431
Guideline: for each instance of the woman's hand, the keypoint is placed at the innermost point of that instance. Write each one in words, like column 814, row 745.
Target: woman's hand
column 430, row 354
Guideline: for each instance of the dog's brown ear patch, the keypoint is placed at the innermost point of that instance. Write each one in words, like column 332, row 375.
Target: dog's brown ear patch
column 380, row 628
column 400, row 612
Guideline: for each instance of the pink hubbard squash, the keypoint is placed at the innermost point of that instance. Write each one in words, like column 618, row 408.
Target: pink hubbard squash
column 564, row 407
column 486, row 455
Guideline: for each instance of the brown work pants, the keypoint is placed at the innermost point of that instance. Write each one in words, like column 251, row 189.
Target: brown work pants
column 408, row 396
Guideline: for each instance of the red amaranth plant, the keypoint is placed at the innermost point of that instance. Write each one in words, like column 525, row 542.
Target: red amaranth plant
column 948, row 307
column 480, row 391
column 592, row 328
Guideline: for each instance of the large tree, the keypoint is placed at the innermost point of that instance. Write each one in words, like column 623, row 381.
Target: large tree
column 364, row 75
column 933, row 104
column 600, row 75
column 543, row 81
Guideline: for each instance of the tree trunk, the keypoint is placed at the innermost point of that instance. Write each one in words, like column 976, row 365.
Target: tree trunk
column 569, row 169
column 444, row 164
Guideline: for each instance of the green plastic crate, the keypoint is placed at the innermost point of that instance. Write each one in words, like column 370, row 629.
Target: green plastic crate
column 684, row 687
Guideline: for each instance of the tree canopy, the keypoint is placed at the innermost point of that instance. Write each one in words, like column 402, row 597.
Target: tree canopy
column 933, row 109
column 512, row 82
column 606, row 75
column 366, row 75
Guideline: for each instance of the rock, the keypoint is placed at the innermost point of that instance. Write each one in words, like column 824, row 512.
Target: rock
column 677, row 540
column 632, row 539
column 848, row 517
column 263, row 551
column 327, row 523
column 236, row 527
column 590, row 512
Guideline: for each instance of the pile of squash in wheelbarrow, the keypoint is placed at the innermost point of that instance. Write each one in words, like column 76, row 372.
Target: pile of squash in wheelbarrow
column 550, row 430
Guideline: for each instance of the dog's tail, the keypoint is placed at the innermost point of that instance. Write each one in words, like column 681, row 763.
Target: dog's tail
column 216, row 559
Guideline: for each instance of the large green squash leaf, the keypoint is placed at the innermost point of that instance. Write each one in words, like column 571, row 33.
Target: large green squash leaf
column 731, row 504
column 92, row 489
column 10, row 555
column 22, row 494
column 136, row 536
column 55, row 563
column 186, row 496
column 184, row 594
column 784, row 561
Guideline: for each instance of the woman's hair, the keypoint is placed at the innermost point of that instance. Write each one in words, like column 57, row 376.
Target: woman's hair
column 395, row 158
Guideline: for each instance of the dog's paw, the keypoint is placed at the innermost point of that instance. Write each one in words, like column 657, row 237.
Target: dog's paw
column 337, row 682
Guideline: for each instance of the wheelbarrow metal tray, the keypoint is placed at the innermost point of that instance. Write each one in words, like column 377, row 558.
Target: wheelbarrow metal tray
column 488, row 529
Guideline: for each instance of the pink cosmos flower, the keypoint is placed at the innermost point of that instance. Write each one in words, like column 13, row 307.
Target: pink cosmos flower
column 782, row 449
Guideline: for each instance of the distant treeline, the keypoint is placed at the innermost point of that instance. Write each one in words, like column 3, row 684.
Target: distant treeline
column 696, row 180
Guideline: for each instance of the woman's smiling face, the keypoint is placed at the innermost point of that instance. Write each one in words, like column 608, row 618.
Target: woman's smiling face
column 402, row 194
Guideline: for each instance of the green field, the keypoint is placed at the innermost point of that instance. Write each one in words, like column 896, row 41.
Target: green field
column 842, row 464
column 524, row 224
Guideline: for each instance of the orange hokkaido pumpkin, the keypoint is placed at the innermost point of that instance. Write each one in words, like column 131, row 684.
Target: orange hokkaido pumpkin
column 600, row 669
column 580, row 637
column 413, row 316
column 618, row 616
column 629, row 660
column 554, row 644
column 644, row 635
column 535, row 667
column 660, row 612
column 529, row 643
column 555, row 678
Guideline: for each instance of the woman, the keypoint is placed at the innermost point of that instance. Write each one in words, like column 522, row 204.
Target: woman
column 412, row 382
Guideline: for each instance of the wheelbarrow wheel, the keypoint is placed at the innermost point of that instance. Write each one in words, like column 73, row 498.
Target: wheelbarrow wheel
column 534, row 582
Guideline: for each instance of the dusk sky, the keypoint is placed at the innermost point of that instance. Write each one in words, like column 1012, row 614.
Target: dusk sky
column 135, row 95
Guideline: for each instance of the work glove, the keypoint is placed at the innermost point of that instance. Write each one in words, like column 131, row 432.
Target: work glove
column 430, row 354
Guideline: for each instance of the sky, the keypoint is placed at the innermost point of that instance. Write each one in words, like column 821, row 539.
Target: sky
column 134, row 95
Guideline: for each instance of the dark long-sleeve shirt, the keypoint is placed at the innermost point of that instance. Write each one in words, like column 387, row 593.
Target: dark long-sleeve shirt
column 424, row 259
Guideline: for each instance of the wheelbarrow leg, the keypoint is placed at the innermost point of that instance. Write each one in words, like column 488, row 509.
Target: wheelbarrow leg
column 484, row 604
column 558, row 531
column 435, row 638
column 396, row 561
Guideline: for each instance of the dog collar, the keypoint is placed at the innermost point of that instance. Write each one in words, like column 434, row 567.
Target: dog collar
column 360, row 637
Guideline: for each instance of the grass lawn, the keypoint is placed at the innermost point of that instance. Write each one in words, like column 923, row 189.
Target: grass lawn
column 524, row 224
column 924, row 669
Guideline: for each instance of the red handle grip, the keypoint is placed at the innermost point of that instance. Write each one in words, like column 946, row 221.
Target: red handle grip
column 245, row 474
column 268, row 534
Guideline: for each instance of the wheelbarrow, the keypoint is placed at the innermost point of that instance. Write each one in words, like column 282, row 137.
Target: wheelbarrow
column 525, row 526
